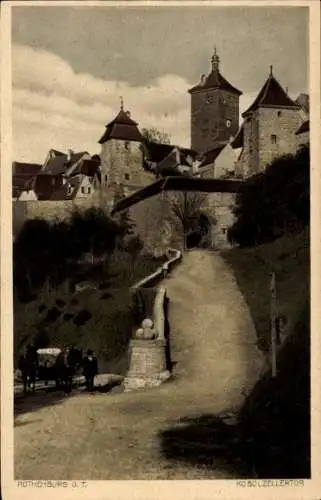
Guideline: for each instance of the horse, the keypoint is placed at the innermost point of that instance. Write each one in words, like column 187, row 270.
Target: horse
column 65, row 367
column 29, row 365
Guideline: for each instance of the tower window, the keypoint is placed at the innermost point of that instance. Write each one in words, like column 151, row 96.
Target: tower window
column 127, row 177
column 273, row 138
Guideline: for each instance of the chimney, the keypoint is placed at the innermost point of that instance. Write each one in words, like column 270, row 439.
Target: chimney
column 203, row 78
column 69, row 154
column 51, row 153
column 128, row 114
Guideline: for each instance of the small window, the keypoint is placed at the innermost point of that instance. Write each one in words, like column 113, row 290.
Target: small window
column 127, row 145
column 82, row 189
column 127, row 177
column 273, row 139
column 224, row 230
column 279, row 113
column 89, row 190
column 106, row 178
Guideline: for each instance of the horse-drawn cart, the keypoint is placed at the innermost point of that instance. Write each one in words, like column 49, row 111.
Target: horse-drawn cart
column 47, row 360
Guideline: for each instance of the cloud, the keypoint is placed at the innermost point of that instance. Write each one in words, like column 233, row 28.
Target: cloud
column 56, row 107
column 53, row 106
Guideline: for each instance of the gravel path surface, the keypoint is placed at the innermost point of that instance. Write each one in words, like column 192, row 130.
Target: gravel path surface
column 117, row 436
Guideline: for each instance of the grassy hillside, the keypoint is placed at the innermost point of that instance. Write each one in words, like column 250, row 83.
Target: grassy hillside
column 288, row 257
column 275, row 419
column 101, row 319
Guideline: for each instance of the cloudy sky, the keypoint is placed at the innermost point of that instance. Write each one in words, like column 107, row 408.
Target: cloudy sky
column 71, row 65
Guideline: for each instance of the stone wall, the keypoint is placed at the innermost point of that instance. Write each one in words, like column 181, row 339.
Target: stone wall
column 303, row 139
column 151, row 220
column 160, row 229
column 210, row 111
column 219, row 208
column 52, row 210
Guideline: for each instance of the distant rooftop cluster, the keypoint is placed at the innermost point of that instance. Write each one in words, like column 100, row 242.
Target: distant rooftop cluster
column 59, row 177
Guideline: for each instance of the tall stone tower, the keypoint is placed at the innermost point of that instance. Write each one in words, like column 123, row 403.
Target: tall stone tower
column 269, row 127
column 122, row 156
column 214, row 110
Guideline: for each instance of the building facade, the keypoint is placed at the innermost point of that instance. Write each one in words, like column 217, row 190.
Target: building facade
column 269, row 128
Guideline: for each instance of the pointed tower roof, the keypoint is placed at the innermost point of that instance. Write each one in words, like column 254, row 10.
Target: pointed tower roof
column 214, row 80
column 122, row 127
column 271, row 95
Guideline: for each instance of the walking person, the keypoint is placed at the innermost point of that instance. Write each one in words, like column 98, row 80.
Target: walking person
column 65, row 370
column 90, row 365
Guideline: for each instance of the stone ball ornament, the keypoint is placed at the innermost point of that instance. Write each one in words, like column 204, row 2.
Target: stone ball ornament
column 147, row 323
column 147, row 331
column 139, row 333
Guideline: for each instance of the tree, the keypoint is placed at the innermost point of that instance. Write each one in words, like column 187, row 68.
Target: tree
column 154, row 135
column 186, row 209
column 274, row 202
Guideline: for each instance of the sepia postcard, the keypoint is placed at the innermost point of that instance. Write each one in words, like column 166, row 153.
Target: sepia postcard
column 160, row 249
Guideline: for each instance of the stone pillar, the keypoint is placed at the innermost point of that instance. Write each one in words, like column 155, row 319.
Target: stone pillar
column 147, row 363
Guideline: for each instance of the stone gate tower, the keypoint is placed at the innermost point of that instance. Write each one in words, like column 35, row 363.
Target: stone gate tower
column 214, row 110
column 268, row 129
column 122, row 156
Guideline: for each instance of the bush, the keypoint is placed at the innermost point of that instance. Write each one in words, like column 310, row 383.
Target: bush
column 52, row 315
column 60, row 303
column 82, row 317
column 52, row 251
column 41, row 339
column 68, row 316
column 273, row 203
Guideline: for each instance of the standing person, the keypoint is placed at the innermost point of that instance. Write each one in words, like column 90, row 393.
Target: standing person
column 90, row 369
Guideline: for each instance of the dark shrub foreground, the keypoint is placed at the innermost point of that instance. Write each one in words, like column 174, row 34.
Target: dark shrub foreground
column 273, row 203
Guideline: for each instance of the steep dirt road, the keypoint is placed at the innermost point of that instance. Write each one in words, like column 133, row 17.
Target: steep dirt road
column 117, row 436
